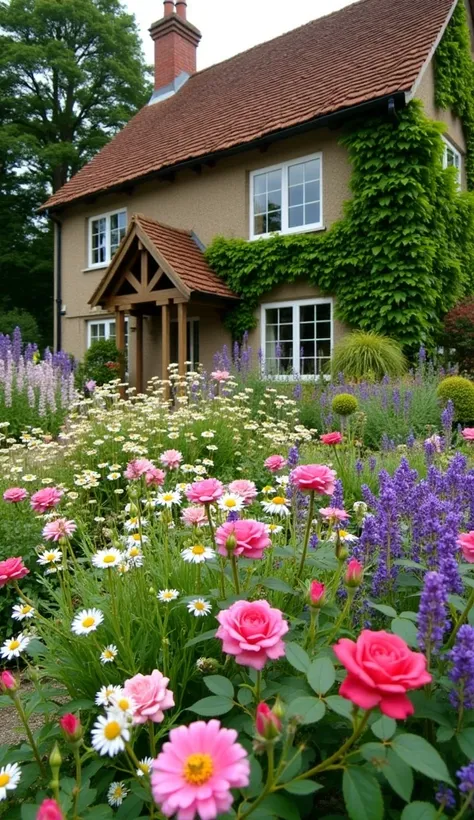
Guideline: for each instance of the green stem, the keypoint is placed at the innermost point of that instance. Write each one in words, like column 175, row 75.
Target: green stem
column 464, row 806
column 151, row 732
column 313, row 623
column 258, row 686
column 268, row 785
column 342, row 616
column 461, row 620
column 31, row 740
column 306, row 536
column 235, row 574
column 77, row 758
column 340, row 752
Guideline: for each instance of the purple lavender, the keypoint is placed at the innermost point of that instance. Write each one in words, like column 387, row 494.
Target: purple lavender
column 293, row 456
column 445, row 797
column 297, row 391
column 432, row 614
column 338, row 495
column 462, row 669
column 313, row 541
column 233, row 515
column 359, row 466
column 465, row 776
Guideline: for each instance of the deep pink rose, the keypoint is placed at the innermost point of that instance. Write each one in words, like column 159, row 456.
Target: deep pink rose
column 137, row 468
column 466, row 542
column 150, row 696
column 220, row 375
column 267, row 723
column 354, row 573
column 252, row 632
column 244, row 488
column 71, row 726
column 49, row 810
column 468, row 433
column 315, row 477
column 275, row 463
column 381, row 670
column 46, row 499
column 317, row 594
column 331, row 438
column 15, row 494
column 12, row 569
column 205, row 492
column 251, row 537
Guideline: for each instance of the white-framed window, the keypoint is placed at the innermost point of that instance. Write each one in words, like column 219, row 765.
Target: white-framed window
column 103, row 329
column 452, row 158
column 106, row 231
column 297, row 337
column 192, row 342
column 287, row 198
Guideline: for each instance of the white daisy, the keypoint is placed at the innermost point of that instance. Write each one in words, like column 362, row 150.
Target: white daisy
column 123, row 703
column 105, row 694
column 268, row 489
column 107, row 558
column 116, row 793
column 168, row 498
column 87, row 620
column 13, row 647
column 108, row 654
column 110, row 733
column 200, row 470
column 135, row 556
column 276, row 505
column 144, row 766
column 135, row 539
column 50, row 557
column 167, row 595
column 9, row 779
column 230, row 502
column 124, row 567
column 197, row 554
column 344, row 536
column 21, row 611
column 199, row 607
column 273, row 529
column 134, row 524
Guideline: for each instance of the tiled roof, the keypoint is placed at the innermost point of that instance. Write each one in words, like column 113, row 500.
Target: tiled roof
column 365, row 51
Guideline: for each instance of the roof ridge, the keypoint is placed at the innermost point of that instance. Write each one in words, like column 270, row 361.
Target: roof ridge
column 139, row 216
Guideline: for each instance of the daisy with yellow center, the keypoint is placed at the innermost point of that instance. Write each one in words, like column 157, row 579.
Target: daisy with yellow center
column 50, row 557
column 110, row 733
column 108, row 654
column 274, row 529
column 107, row 558
column 13, row 647
column 116, row 793
column 167, row 595
column 144, row 766
column 22, row 611
column 123, row 703
column 105, row 694
column 268, row 489
column 134, row 524
column 276, row 506
column 199, row 607
column 87, row 620
column 168, row 498
column 9, row 778
column 197, row 554
column 230, row 502
column 344, row 536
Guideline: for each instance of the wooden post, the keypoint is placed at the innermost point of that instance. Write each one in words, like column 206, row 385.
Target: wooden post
column 144, row 269
column 165, row 344
column 120, row 339
column 139, row 353
column 182, row 337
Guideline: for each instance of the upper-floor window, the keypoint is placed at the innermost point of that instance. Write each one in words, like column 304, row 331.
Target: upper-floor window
column 286, row 198
column 452, row 159
column 105, row 234
column 296, row 337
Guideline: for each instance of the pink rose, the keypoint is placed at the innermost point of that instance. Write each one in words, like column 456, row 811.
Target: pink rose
column 381, row 670
column 333, row 514
column 244, row 488
column 12, row 570
column 59, row 528
column 250, row 537
column 252, row 632
column 275, row 463
column 466, row 542
column 468, row 433
column 317, row 594
column 150, row 696
column 71, row 726
column 194, row 516
column 154, row 477
column 15, row 494
column 220, row 375
column 205, row 492
column 354, row 573
column 315, row 477
column 331, row 438
column 137, row 468
column 49, row 810
column 46, row 499
column 171, row 459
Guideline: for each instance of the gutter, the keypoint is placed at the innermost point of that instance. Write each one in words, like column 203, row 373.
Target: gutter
column 58, row 279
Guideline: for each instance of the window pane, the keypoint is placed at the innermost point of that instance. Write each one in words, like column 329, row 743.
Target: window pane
column 260, row 204
column 274, row 221
column 267, row 202
column 315, row 338
column 286, row 332
column 271, row 315
column 274, row 180
column 260, row 225
column 295, row 217
column 312, row 214
column 307, row 330
column 307, row 349
column 323, row 330
column 296, row 195
column 323, row 311
column 312, row 192
column 99, row 241
column 312, row 169
column 307, row 313
column 286, row 315
column 296, row 174
column 117, row 230
column 307, row 367
column 112, row 330
column 324, row 348
column 260, row 184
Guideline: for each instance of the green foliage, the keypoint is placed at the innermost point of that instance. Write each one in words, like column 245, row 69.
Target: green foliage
column 398, row 259
column 368, row 355
column 101, row 363
column 344, row 404
column 461, row 393
column 27, row 323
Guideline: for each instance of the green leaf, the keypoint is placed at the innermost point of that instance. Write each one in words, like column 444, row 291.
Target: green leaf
column 419, row 811
column 421, row 756
column 321, row 675
column 405, row 629
column 309, row 710
column 76, row 706
column 374, row 753
column 362, row 794
column 210, row 707
column 86, row 798
column 297, row 657
column 443, row 734
column 340, row 705
column 303, row 787
column 130, row 809
column 384, row 728
column 399, row 776
column 100, row 812
column 279, row 806
column 389, row 611
column 465, row 741
column 219, row 685
column 277, row 585
column 244, row 696
column 255, row 786
column 28, row 811
column 204, row 636
column 293, row 768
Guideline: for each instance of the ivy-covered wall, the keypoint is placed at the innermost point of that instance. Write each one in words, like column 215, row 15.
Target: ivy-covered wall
column 403, row 252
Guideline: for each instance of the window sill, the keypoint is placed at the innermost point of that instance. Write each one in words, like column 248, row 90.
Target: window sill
column 95, row 267
column 293, row 232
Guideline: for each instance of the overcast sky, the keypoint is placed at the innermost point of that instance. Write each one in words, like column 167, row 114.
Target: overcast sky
column 230, row 26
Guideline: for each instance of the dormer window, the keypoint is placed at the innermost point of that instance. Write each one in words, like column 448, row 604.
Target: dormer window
column 286, row 198
column 105, row 235
column 452, row 159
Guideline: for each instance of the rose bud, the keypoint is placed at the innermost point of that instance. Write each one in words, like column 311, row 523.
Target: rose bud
column 49, row 810
column 354, row 573
column 230, row 544
column 267, row 724
column 71, row 726
column 317, row 594
column 7, row 681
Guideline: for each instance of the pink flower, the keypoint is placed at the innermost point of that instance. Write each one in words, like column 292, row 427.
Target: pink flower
column 60, row 528
column 220, row 375
column 334, row 514
column 317, row 594
column 194, row 516
column 468, row 433
column 137, row 468
column 466, row 542
column 275, row 463
column 250, row 538
column 49, row 810
column 205, row 492
column 171, row 459
column 15, row 494
column 150, row 696
column 154, row 477
column 252, row 632
column 7, row 681
column 331, row 438
column 12, row 569
column 354, row 573
column 71, row 726
column 244, row 488
column 267, row 723
column 315, row 477
column 196, row 770
column 46, row 499
column 381, row 670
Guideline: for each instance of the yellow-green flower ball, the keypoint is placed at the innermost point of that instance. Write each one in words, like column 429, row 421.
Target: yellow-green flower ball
column 344, row 404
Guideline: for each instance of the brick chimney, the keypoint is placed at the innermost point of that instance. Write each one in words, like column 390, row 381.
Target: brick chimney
column 176, row 42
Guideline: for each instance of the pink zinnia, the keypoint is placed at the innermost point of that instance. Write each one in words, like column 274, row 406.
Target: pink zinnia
column 466, row 542
column 244, row 488
column 250, row 538
column 49, row 810
column 12, row 569
column 331, row 438
column 314, row 477
column 468, row 433
column 150, row 696
column 171, row 459
column 194, row 516
column 154, row 477
column 46, row 499
column 60, row 528
column 205, row 492
column 137, row 468
column 220, row 375
column 196, row 770
column 275, row 463
column 252, row 631
column 334, row 514
column 15, row 494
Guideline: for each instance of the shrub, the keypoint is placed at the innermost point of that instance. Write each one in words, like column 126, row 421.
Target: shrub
column 459, row 333
column 11, row 319
column 461, row 393
column 344, row 404
column 101, row 363
column 368, row 355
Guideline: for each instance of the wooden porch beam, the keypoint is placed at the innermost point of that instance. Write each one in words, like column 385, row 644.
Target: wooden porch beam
column 144, row 268
column 139, row 352
column 120, row 339
column 165, row 344
column 182, row 337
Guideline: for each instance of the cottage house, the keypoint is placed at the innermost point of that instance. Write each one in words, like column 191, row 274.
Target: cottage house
column 245, row 148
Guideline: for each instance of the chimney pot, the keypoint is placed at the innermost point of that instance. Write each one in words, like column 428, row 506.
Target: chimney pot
column 176, row 42
column 168, row 7
column 181, row 9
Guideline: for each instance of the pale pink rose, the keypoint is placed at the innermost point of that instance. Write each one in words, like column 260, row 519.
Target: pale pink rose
column 196, row 769
column 15, row 494
column 334, row 514
column 252, row 631
column 49, row 810
column 150, row 696
column 60, row 528
column 381, row 670
column 275, row 463
column 244, row 488
column 154, row 477
column 12, row 569
column 137, row 468
column 250, row 537
column 194, row 516
column 171, row 459
column 46, row 499
column 314, row 477
column 220, row 375
column 331, row 438
column 468, row 433
column 205, row 492
column 466, row 542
